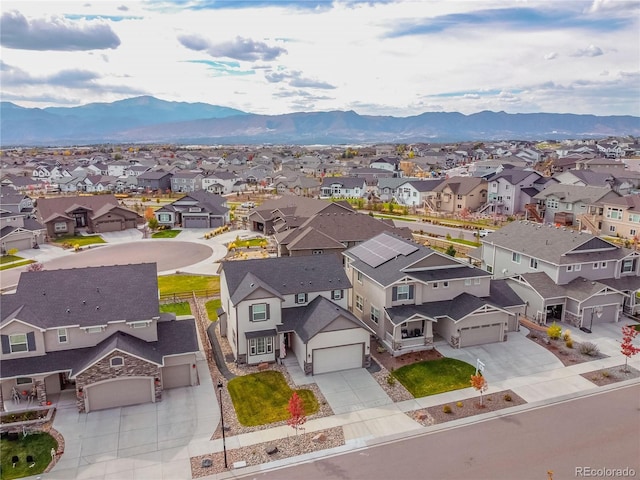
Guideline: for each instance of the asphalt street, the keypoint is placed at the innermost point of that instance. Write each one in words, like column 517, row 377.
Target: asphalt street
column 571, row 439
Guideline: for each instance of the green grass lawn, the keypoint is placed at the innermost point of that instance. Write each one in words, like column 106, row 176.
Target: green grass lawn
column 9, row 258
column 166, row 234
column 180, row 308
column 17, row 264
column 212, row 307
column 262, row 398
column 435, row 376
column 81, row 240
column 252, row 242
column 169, row 284
column 38, row 445
column 462, row 241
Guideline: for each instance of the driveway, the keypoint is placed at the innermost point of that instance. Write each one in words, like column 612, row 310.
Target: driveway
column 517, row 357
column 150, row 441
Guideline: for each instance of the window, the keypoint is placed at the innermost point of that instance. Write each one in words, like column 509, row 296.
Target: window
column 434, row 284
column 596, row 266
column 164, row 217
column 445, row 284
column 627, row 265
column 568, row 206
column 260, row 345
column 569, row 268
column 459, row 197
column 404, row 292
column 359, row 277
column 516, row 257
column 577, row 268
column 614, row 213
column 60, row 227
column 258, row 312
column 375, row 314
column 476, row 281
column 139, row 324
column 93, row 330
column 533, row 263
column 23, row 380
column 317, row 252
column 116, row 362
column 490, row 268
column 632, row 231
column 467, row 282
column 359, row 302
column 603, row 264
column 336, row 295
column 551, row 203
column 62, row 335
column 301, row 298
column 612, row 228
column 634, row 217
column 18, row 342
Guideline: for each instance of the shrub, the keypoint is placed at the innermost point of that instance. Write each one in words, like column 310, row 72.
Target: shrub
column 459, row 404
column 588, row 348
column 391, row 380
column 566, row 335
column 446, row 409
column 554, row 331
column 569, row 343
column 605, row 374
column 507, row 397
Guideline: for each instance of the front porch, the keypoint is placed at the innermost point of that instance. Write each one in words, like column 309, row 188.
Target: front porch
column 409, row 337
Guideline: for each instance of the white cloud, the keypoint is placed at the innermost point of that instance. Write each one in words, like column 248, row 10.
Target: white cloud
column 551, row 56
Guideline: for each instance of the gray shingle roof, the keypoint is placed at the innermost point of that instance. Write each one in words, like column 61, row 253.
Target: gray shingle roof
column 285, row 275
column 456, row 309
column 85, row 296
column 576, row 193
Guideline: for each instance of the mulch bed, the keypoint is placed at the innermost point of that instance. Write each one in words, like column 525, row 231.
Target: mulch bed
column 392, row 363
column 568, row 356
column 466, row 408
column 607, row 376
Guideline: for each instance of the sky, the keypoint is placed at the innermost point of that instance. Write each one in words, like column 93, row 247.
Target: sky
column 398, row 58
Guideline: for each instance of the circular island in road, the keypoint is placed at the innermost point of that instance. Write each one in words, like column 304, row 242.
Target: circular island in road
column 168, row 255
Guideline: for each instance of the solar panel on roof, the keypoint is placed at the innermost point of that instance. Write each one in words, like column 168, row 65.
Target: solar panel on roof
column 375, row 252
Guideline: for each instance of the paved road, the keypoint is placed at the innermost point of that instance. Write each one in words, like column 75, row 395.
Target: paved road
column 599, row 431
column 437, row 229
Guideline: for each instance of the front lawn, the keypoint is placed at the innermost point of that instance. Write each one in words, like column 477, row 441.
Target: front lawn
column 82, row 240
column 262, row 398
column 17, row 264
column 180, row 308
column 9, row 258
column 212, row 306
column 169, row 284
column 422, row 379
column 166, row 234
column 38, row 445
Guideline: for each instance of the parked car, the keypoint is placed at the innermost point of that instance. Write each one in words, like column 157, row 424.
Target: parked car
column 484, row 232
column 248, row 205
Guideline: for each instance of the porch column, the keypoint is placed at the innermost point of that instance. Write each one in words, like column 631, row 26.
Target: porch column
column 1, row 400
column 41, row 391
column 429, row 329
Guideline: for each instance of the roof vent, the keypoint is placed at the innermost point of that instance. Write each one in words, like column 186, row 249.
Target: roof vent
column 84, row 302
column 97, row 307
column 252, row 284
column 68, row 310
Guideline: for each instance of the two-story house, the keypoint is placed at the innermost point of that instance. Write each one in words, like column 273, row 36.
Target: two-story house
column 391, row 164
column 222, row 183
column 155, row 180
column 509, row 190
column 343, row 187
column 198, row 209
column 563, row 274
column 97, row 331
column 414, row 193
column 301, row 311
column 456, row 194
column 621, row 217
column 411, row 295
column 186, row 182
column 18, row 230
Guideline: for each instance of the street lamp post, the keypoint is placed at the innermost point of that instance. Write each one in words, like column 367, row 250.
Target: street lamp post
column 224, row 444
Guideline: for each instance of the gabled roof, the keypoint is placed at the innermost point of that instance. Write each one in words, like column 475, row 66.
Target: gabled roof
column 345, row 182
column 285, row 275
column 631, row 202
column 461, row 185
column 579, row 289
column 513, row 175
column 317, row 316
column 49, row 208
column 559, row 246
column 86, row 297
column 576, row 193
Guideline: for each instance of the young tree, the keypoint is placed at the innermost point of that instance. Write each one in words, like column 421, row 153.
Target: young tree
column 35, row 267
column 451, row 251
column 296, row 410
column 480, row 384
column 627, row 347
column 148, row 213
column 153, row 223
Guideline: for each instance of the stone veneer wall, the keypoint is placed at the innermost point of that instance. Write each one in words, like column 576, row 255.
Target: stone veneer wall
column 102, row 370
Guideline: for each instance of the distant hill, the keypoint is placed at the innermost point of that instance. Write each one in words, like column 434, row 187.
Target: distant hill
column 150, row 120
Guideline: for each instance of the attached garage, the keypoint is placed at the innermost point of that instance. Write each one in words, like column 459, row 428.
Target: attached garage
column 18, row 244
column 201, row 221
column 480, row 334
column 109, row 226
column 119, row 392
column 338, row 358
column 176, row 376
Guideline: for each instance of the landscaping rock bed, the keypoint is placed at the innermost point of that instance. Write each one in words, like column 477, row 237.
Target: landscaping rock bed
column 257, row 454
column 466, row 408
column 607, row 376
column 568, row 356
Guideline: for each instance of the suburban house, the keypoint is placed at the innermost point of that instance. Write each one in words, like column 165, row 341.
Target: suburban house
column 410, row 295
column 343, row 187
column 18, row 230
column 296, row 185
column 413, row 193
column 301, row 311
column 391, row 164
column 287, row 212
column 618, row 217
column 509, row 191
column 93, row 214
column 155, row 180
column 332, row 230
column 186, row 182
column 98, row 331
column 199, row 209
column 564, row 275
column 457, row 194
column 561, row 204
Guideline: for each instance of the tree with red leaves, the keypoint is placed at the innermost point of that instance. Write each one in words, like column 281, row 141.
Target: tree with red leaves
column 480, row 384
column 296, row 410
column 627, row 347
column 35, row 267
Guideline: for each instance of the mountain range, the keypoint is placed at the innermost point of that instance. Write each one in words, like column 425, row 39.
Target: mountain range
column 150, row 120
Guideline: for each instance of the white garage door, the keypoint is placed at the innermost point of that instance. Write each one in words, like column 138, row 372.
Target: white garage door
column 19, row 244
column 480, row 335
column 119, row 393
column 176, row 376
column 337, row 358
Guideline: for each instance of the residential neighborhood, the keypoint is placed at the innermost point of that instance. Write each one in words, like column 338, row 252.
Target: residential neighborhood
column 334, row 270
